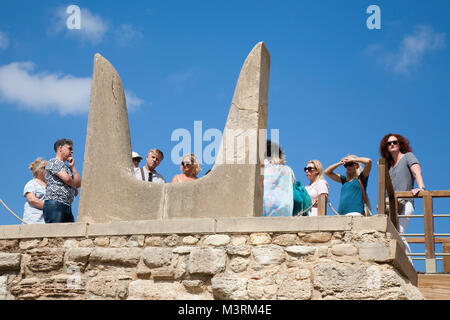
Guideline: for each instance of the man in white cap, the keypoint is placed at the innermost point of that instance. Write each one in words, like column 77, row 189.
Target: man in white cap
column 136, row 160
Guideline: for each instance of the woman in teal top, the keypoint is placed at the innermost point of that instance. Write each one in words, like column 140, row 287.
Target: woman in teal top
column 351, row 202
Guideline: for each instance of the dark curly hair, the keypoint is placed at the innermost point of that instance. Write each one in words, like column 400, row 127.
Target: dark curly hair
column 404, row 147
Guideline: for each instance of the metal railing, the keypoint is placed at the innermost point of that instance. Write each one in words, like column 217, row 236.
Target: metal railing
column 429, row 237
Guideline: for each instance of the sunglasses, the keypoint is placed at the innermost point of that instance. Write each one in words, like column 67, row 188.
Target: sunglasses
column 395, row 142
column 185, row 163
column 349, row 164
column 308, row 168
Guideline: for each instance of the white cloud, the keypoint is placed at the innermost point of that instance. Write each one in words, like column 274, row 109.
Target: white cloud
column 126, row 34
column 414, row 47
column 45, row 92
column 93, row 26
column 411, row 51
column 4, row 41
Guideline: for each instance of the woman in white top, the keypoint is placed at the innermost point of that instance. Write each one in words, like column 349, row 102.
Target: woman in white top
column 34, row 191
column 317, row 183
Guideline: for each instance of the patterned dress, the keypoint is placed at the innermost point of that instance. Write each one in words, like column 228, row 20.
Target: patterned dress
column 278, row 190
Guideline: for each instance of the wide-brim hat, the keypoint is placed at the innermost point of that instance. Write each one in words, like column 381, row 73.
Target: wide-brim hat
column 135, row 155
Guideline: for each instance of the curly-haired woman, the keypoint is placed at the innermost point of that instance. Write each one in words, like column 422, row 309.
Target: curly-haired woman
column 404, row 168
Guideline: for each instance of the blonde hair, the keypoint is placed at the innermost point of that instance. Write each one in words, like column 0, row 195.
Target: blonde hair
column 358, row 170
column 37, row 165
column 318, row 165
column 158, row 152
column 194, row 161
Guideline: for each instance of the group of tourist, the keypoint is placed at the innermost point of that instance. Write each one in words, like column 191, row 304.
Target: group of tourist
column 55, row 182
column 279, row 180
column 53, row 188
column 189, row 167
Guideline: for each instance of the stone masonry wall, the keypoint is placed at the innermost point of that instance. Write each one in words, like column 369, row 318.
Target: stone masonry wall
column 355, row 263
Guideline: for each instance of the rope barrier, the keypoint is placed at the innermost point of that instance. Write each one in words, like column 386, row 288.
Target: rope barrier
column 300, row 214
column 1, row 201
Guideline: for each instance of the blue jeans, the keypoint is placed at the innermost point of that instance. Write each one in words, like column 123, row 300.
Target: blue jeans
column 57, row 212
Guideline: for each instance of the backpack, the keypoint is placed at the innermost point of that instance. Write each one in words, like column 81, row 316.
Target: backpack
column 302, row 200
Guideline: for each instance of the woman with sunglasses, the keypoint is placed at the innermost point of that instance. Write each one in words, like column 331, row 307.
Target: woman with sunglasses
column 403, row 168
column 317, row 183
column 351, row 202
column 189, row 168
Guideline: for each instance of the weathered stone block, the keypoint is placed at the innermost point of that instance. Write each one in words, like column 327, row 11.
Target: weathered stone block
column 106, row 287
column 10, row 261
column 227, row 288
column 377, row 252
column 157, row 257
column 243, row 251
column 118, row 242
column 238, row 241
column 48, row 259
column 293, row 287
column 190, row 240
column 239, row 264
column 172, row 241
column 78, row 254
column 101, row 241
column 136, row 241
column 344, row 249
column 151, row 290
column 163, row 273
column 207, row 261
column 182, row 250
column 217, row 240
column 260, row 239
column 300, row 250
column 8, row 245
column 318, row 237
column 268, row 254
column 286, row 240
column 122, row 256
column 153, row 241
column 29, row 244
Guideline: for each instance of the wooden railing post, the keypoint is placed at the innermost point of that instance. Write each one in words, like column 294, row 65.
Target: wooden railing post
column 381, row 208
column 322, row 205
column 430, row 258
column 385, row 185
column 446, row 259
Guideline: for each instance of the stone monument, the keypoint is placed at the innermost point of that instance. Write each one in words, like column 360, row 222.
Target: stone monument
column 234, row 187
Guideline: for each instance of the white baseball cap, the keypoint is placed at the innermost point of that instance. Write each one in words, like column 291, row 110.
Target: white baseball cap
column 135, row 155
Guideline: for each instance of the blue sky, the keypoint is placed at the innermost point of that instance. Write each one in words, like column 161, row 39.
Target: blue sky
column 336, row 87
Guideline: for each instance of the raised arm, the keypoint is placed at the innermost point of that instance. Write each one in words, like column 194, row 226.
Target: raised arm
column 330, row 171
column 367, row 165
column 75, row 181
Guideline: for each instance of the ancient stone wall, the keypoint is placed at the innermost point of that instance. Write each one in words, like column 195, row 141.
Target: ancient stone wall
column 305, row 258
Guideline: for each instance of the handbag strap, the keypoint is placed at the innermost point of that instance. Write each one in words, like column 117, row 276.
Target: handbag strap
column 142, row 174
column 363, row 192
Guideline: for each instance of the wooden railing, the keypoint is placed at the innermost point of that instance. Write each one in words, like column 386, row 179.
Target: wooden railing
column 385, row 186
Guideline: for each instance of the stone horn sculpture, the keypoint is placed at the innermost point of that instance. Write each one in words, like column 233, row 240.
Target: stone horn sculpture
column 234, row 187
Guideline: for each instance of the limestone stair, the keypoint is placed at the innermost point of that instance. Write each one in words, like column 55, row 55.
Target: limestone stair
column 435, row 286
